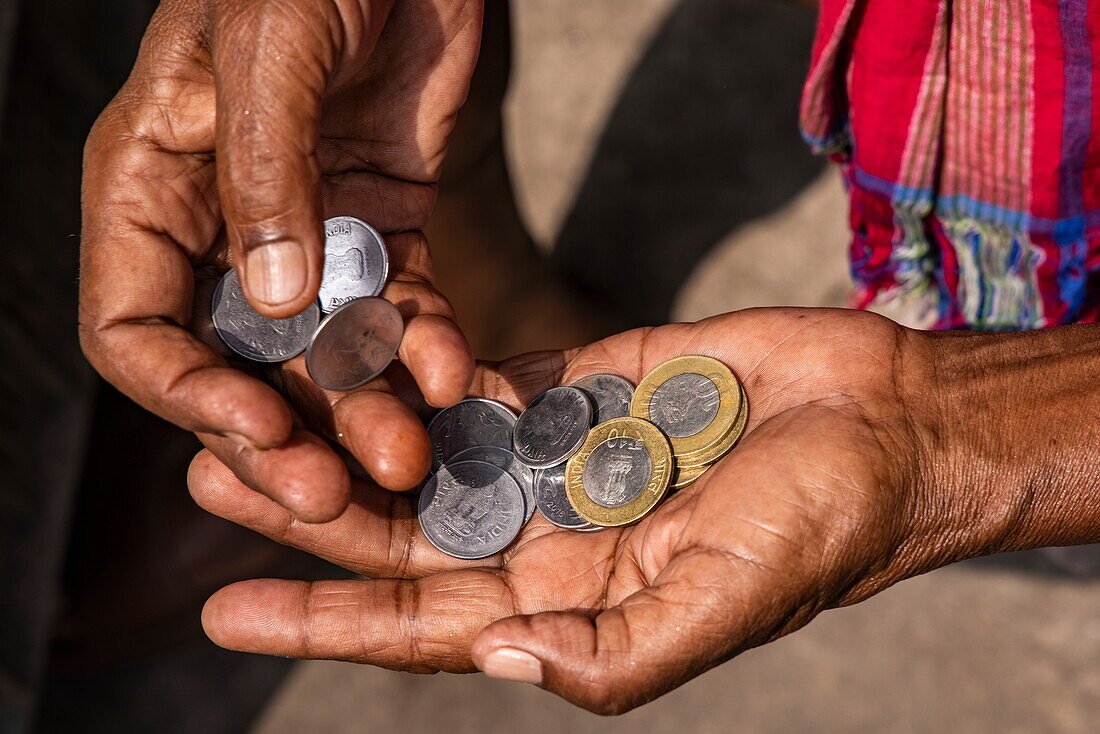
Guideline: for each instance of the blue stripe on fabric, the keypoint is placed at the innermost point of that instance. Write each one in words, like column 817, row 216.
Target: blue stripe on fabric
column 835, row 133
column 873, row 183
column 1072, row 277
column 815, row 142
column 1063, row 231
column 970, row 208
column 892, row 191
column 974, row 243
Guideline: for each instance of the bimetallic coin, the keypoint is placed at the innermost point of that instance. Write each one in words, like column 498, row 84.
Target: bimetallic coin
column 686, row 475
column 356, row 262
column 552, row 427
column 694, row 400
column 610, row 396
column 621, row 473
column 716, row 451
column 354, row 344
column 469, row 423
column 506, row 460
column 254, row 336
column 553, row 502
column 471, row 509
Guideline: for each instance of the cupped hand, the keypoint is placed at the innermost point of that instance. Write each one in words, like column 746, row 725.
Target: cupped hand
column 820, row 505
column 243, row 125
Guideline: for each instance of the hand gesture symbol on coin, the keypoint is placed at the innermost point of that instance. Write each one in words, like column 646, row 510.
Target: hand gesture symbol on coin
column 786, row 525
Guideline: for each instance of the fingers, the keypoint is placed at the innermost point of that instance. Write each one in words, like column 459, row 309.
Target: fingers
column 437, row 354
column 386, row 436
column 758, row 556
column 303, row 475
column 377, row 535
column 417, row 626
column 135, row 298
column 378, row 427
column 433, row 348
column 272, row 62
column 148, row 216
column 654, row 640
column 519, row 380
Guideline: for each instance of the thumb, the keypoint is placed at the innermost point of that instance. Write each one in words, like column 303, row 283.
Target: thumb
column 653, row 641
column 272, row 62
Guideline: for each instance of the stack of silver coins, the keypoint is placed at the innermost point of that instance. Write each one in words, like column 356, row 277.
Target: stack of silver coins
column 349, row 335
column 588, row 456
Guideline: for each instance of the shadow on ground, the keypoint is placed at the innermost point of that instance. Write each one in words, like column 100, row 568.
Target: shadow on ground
column 702, row 139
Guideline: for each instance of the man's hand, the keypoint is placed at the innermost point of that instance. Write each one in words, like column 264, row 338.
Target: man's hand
column 873, row 453
column 824, row 503
column 244, row 124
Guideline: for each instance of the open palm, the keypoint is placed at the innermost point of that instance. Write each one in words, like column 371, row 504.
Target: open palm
column 812, row 510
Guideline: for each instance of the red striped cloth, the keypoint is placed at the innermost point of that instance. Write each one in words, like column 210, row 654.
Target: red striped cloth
column 968, row 132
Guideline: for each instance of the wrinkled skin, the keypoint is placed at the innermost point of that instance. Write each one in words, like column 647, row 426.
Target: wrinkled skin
column 244, row 124
column 819, row 506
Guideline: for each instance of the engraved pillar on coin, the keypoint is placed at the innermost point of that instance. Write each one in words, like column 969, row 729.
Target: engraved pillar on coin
column 617, row 472
column 614, row 492
column 466, row 507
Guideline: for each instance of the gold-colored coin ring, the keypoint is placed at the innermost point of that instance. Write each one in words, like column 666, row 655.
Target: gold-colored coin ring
column 713, row 453
column 729, row 399
column 685, row 475
column 716, row 451
column 660, row 457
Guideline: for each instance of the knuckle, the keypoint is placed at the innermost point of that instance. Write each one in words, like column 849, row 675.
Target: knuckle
column 437, row 304
column 166, row 106
column 255, row 28
column 415, row 298
column 605, row 700
column 98, row 135
column 91, row 343
column 421, row 261
column 256, row 176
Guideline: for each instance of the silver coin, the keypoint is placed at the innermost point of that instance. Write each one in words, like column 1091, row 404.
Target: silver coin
column 254, row 336
column 553, row 502
column 610, row 396
column 471, row 509
column 506, row 460
column 356, row 262
column 354, row 344
column 552, row 427
column 684, row 405
column 469, row 423
column 617, row 472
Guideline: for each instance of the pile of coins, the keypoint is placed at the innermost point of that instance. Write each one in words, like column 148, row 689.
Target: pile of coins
column 349, row 335
column 595, row 454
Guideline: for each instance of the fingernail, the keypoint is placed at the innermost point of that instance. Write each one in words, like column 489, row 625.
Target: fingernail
column 508, row 663
column 277, row 271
